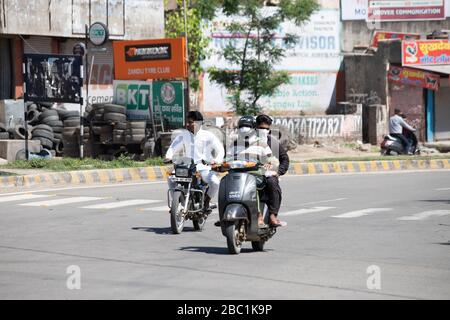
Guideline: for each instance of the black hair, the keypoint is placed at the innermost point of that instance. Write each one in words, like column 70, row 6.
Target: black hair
column 195, row 115
column 263, row 119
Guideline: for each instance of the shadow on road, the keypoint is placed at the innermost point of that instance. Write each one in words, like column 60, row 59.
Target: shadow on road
column 164, row 230
column 215, row 250
column 436, row 201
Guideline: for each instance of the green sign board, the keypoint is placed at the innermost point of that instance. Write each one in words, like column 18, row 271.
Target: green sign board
column 168, row 96
column 136, row 96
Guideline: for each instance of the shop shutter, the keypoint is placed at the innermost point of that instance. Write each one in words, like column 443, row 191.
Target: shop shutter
column 37, row 45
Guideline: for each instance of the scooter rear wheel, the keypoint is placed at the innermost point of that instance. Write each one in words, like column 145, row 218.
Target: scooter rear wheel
column 176, row 218
column 232, row 232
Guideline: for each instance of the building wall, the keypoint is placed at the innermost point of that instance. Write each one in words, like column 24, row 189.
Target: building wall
column 132, row 19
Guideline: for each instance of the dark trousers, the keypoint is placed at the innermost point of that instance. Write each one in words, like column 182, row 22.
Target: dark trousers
column 405, row 142
column 273, row 194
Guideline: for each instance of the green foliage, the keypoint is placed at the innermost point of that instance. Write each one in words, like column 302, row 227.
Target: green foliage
column 255, row 59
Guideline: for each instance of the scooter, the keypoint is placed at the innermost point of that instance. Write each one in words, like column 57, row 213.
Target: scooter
column 241, row 199
column 186, row 200
column 393, row 146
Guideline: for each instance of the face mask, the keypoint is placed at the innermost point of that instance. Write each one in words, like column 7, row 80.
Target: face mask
column 263, row 132
column 245, row 130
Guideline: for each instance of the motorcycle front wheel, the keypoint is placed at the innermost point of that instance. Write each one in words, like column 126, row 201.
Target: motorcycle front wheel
column 232, row 234
column 176, row 212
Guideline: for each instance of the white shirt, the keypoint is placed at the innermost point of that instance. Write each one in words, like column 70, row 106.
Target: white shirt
column 204, row 145
column 396, row 125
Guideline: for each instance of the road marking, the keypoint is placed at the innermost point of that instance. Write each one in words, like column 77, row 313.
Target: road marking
column 121, row 204
column 59, row 202
column 425, row 215
column 305, row 211
column 158, row 209
column 443, row 189
column 23, row 197
column 324, row 201
column 360, row 213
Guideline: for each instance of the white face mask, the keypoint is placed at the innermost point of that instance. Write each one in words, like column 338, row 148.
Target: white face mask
column 263, row 132
column 245, row 130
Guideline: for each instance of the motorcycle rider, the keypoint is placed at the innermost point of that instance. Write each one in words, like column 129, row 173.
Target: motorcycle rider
column 201, row 146
column 396, row 125
column 273, row 189
column 250, row 146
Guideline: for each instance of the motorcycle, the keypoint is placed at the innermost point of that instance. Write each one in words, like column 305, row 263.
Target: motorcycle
column 186, row 200
column 393, row 145
column 241, row 198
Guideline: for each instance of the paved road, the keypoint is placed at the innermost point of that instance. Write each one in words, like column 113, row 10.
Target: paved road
column 342, row 230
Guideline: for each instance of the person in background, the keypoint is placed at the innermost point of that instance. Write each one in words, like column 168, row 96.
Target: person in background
column 396, row 125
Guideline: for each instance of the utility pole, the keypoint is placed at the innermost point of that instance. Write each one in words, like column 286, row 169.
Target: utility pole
column 188, row 94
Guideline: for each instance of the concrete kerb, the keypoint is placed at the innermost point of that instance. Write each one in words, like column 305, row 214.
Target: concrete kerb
column 148, row 174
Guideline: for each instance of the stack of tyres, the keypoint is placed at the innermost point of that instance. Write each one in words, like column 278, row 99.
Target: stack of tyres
column 70, row 134
column 44, row 134
column 135, row 132
column 97, row 112
column 114, row 113
column 119, row 133
column 51, row 118
column 4, row 135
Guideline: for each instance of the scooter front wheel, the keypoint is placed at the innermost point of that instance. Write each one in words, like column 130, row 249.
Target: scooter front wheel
column 176, row 213
column 232, row 234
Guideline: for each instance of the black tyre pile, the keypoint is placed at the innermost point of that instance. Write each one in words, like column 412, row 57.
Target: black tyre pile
column 4, row 135
column 135, row 132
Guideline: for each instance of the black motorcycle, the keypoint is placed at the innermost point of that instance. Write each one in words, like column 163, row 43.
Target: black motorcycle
column 241, row 199
column 186, row 200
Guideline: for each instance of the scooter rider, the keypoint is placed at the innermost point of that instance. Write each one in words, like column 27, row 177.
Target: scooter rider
column 200, row 145
column 396, row 125
column 273, row 189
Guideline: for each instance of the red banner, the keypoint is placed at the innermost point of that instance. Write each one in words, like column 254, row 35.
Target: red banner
column 410, row 10
column 382, row 35
column 425, row 52
column 413, row 77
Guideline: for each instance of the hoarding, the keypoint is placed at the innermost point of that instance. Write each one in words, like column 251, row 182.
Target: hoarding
column 136, row 96
column 168, row 96
column 53, row 78
column 383, row 35
column 409, row 10
column 425, row 52
column 414, row 77
column 150, row 59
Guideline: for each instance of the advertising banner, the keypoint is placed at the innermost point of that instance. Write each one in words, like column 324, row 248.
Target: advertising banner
column 425, row 52
column 414, row 77
column 408, row 10
column 53, row 78
column 150, row 59
column 136, row 96
column 168, row 96
column 383, row 35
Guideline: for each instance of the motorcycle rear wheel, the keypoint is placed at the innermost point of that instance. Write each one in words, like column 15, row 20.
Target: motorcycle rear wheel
column 176, row 219
column 232, row 232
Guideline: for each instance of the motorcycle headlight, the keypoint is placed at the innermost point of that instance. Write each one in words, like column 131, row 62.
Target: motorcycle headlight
column 182, row 172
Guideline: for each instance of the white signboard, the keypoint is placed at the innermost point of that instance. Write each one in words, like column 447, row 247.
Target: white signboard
column 354, row 9
column 318, row 48
column 307, row 92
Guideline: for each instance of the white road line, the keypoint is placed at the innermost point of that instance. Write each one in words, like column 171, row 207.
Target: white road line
column 323, row 201
column 425, row 215
column 158, row 209
column 360, row 213
column 121, row 204
column 24, row 197
column 59, row 202
column 305, row 211
column 442, row 189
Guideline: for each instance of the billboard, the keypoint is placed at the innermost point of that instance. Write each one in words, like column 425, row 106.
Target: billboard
column 425, row 52
column 150, row 59
column 383, row 35
column 168, row 96
column 414, row 77
column 53, row 78
column 410, row 10
column 136, row 96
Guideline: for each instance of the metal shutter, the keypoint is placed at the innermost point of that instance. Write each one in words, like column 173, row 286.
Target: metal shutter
column 37, row 45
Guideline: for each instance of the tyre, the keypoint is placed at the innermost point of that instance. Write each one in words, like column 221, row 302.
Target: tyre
column 33, row 116
column 114, row 108
column 137, row 124
column 115, row 117
column 231, row 232
column 70, row 114
column 176, row 218
column 43, row 127
column 4, row 136
column 58, row 129
column 2, row 127
column 258, row 245
column 199, row 224
column 136, row 132
column 19, row 133
column 55, row 123
column 46, row 143
column 120, row 126
column 50, row 119
column 48, row 114
column 71, row 123
column 39, row 133
column 137, row 139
